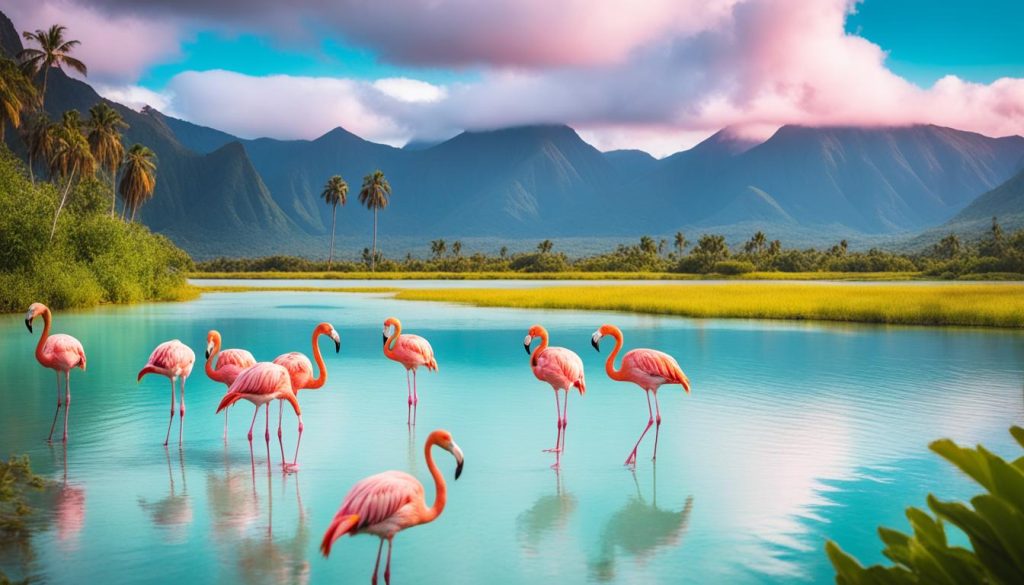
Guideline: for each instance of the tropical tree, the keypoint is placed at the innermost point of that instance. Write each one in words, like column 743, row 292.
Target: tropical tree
column 105, row 143
column 647, row 245
column 38, row 133
column 70, row 158
column 662, row 244
column 756, row 244
column 948, row 247
column 138, row 178
column 545, row 246
column 680, row 242
column 335, row 192
column 503, row 252
column 457, row 248
column 375, row 194
column 438, row 248
column 17, row 95
column 53, row 51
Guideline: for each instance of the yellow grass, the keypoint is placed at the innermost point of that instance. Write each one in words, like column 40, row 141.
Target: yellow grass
column 969, row 304
column 352, row 289
column 867, row 276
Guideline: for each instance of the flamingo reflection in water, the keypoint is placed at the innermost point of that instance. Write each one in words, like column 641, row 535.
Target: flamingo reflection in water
column 174, row 512
column 640, row 530
column 69, row 506
column 550, row 513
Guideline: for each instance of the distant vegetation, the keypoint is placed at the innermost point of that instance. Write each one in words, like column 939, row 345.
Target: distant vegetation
column 60, row 240
column 968, row 304
column 998, row 254
column 994, row 523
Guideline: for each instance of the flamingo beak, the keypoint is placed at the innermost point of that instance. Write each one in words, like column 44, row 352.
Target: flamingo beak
column 28, row 323
column 337, row 341
column 596, row 342
column 209, row 350
column 385, row 336
column 459, row 459
column 526, row 344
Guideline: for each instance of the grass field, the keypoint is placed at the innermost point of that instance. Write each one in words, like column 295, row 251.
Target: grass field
column 968, row 304
column 865, row 276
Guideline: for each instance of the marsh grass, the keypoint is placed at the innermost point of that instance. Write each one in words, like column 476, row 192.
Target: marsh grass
column 567, row 275
column 354, row 289
column 967, row 304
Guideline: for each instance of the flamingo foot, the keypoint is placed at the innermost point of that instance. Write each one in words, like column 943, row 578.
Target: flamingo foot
column 631, row 460
column 556, row 466
column 552, row 450
column 290, row 467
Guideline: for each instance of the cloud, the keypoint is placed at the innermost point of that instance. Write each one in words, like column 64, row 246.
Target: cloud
column 115, row 47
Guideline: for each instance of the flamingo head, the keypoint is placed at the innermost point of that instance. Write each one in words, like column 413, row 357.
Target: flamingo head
column 443, row 439
column 390, row 326
column 328, row 330
column 212, row 343
column 535, row 331
column 34, row 310
column 595, row 339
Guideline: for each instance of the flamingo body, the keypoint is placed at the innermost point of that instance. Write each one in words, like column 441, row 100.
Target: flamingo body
column 229, row 364
column 261, row 384
column 300, row 369
column 412, row 351
column 562, row 369
column 174, row 360
column 58, row 352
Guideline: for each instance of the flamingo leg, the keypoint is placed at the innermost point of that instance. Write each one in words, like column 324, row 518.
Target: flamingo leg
column 56, row 412
column 373, row 580
column 415, row 402
column 67, row 404
column 252, row 425
column 169, row 422
column 225, row 425
column 631, row 460
column 181, row 412
column 266, row 428
column 295, row 460
column 657, row 425
column 387, row 568
column 558, row 423
column 565, row 418
column 280, row 418
column 408, row 390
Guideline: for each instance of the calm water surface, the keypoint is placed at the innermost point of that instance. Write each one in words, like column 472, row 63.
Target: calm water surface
column 794, row 433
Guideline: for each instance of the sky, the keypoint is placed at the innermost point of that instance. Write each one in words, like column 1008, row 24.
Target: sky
column 658, row 75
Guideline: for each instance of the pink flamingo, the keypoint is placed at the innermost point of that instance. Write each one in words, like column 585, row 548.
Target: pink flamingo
column 173, row 359
column 230, row 363
column 300, row 369
column 561, row 368
column 387, row 503
column 647, row 368
column 412, row 351
column 260, row 384
column 60, row 353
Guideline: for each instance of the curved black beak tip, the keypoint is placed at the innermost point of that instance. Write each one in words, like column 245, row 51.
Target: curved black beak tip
column 384, row 335
column 458, row 469
column 207, row 354
column 526, row 346
column 337, row 347
column 28, row 323
column 595, row 344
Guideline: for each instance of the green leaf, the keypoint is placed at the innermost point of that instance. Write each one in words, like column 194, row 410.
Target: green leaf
column 1007, row 480
column 1008, row 526
column 896, row 545
column 1018, row 433
column 984, row 540
column 967, row 460
column 926, row 529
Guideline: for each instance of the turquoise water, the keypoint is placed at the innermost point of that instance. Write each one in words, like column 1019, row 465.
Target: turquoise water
column 794, row 433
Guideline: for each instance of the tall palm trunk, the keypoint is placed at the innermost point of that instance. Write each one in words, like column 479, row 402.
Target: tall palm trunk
column 113, row 192
column 42, row 96
column 31, row 172
column 373, row 257
column 135, row 208
column 63, row 200
column 334, row 222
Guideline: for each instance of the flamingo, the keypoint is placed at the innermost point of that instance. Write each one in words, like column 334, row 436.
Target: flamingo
column 300, row 370
column 260, row 384
column 230, row 363
column 173, row 359
column 387, row 503
column 648, row 368
column 563, row 369
column 61, row 353
column 412, row 351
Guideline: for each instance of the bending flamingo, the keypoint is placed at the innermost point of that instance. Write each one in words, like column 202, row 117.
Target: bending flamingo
column 60, row 353
column 173, row 359
column 412, row 351
column 648, row 368
column 301, row 370
column 260, row 384
column 561, row 368
column 387, row 503
column 230, row 363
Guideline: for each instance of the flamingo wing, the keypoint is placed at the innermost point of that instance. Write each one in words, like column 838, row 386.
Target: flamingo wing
column 238, row 358
column 300, row 369
column 65, row 351
column 262, row 378
column 417, row 348
column 173, row 356
column 380, row 497
column 657, row 364
column 563, row 364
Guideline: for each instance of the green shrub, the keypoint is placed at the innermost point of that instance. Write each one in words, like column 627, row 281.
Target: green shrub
column 994, row 523
column 733, row 267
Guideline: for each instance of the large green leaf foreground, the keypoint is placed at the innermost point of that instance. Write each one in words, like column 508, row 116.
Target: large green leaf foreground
column 994, row 522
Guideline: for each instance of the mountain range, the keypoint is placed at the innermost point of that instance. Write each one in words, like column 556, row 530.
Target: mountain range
column 218, row 194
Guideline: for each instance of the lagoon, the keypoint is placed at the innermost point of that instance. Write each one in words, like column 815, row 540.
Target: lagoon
column 794, row 433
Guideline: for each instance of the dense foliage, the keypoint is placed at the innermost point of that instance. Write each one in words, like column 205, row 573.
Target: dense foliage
column 949, row 258
column 92, row 258
column 994, row 523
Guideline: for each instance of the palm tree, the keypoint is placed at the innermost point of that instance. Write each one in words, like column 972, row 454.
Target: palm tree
column 70, row 156
column 105, row 142
column 756, row 243
column 53, row 51
column 335, row 192
column 17, row 95
column 138, row 177
column 375, row 194
column 545, row 246
column 457, row 248
column 437, row 248
column 38, row 133
column 680, row 242
column 503, row 252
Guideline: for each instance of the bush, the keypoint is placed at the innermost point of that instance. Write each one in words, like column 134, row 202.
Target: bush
column 732, row 267
column 994, row 523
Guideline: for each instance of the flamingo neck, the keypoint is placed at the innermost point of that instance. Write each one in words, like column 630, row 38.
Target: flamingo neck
column 439, row 485
column 609, row 365
column 42, row 338
column 389, row 345
column 210, row 371
column 321, row 378
column 540, row 348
